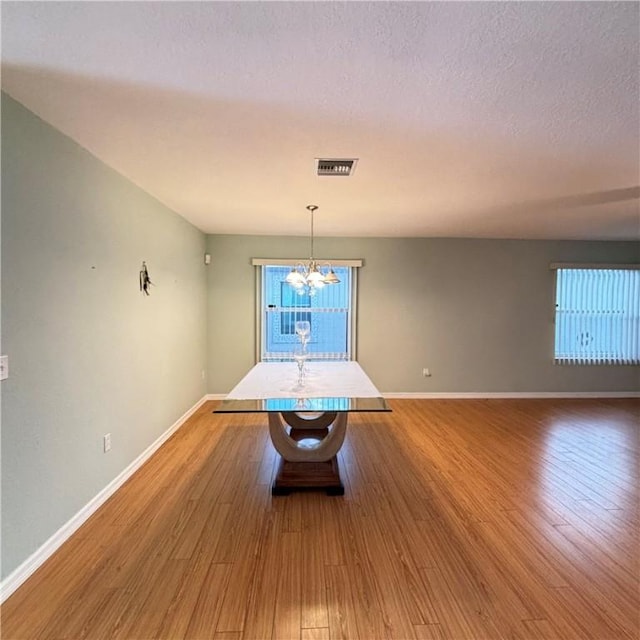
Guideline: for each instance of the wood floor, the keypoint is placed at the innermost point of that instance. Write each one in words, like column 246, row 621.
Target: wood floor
column 461, row 519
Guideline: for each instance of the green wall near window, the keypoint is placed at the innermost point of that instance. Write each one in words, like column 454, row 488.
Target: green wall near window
column 477, row 313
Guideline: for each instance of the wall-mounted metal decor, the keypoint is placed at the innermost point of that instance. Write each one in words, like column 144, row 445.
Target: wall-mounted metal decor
column 145, row 280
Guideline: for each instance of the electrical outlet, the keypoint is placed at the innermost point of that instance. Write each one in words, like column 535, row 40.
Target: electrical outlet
column 426, row 373
column 204, row 374
column 106, row 441
column 4, row 367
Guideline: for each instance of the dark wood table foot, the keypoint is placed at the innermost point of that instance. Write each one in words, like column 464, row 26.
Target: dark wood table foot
column 280, row 491
column 296, row 476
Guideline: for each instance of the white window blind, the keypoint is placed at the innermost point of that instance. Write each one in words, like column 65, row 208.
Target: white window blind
column 597, row 316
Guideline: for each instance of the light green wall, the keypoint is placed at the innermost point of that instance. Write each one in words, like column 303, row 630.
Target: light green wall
column 89, row 354
column 477, row 313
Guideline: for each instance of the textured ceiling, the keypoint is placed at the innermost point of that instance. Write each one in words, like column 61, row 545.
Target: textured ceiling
column 469, row 119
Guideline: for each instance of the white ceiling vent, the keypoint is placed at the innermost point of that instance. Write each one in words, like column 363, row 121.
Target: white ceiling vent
column 333, row 167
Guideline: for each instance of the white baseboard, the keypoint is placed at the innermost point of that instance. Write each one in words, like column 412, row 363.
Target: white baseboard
column 462, row 395
column 36, row 559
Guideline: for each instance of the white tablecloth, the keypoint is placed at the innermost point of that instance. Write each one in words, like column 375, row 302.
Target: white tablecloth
column 322, row 380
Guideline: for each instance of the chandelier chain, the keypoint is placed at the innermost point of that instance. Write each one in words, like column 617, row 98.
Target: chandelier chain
column 311, row 277
column 312, row 208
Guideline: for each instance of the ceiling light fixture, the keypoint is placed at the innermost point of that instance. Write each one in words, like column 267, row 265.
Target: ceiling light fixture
column 308, row 278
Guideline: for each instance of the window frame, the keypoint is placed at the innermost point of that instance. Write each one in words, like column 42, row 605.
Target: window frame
column 556, row 266
column 259, row 263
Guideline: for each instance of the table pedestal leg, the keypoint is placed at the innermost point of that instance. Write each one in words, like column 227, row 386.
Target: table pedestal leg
column 308, row 451
column 308, row 475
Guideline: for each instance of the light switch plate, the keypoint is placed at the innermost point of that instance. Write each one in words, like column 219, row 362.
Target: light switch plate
column 4, row 367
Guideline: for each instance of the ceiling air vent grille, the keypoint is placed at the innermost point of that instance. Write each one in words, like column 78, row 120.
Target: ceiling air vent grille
column 332, row 167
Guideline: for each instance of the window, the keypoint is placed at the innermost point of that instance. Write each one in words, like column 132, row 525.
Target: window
column 597, row 315
column 330, row 312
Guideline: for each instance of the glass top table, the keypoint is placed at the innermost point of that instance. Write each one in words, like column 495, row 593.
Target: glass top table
column 307, row 416
column 301, row 405
column 328, row 386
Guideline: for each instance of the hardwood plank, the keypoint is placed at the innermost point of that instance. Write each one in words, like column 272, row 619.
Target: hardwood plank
column 255, row 611
column 314, row 612
column 342, row 618
column 458, row 619
column 105, row 625
column 80, row 619
column 206, row 613
column 148, row 619
column 429, row 632
column 590, row 617
column 21, row 618
column 287, row 621
column 268, row 464
column 370, row 609
column 397, row 555
column 316, row 633
column 180, row 610
column 545, row 630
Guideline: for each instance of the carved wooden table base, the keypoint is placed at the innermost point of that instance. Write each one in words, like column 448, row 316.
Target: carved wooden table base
column 308, row 450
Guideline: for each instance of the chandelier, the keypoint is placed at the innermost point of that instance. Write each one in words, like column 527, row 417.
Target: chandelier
column 308, row 278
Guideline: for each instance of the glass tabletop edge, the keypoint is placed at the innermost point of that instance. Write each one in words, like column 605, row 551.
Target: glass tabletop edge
column 303, row 405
